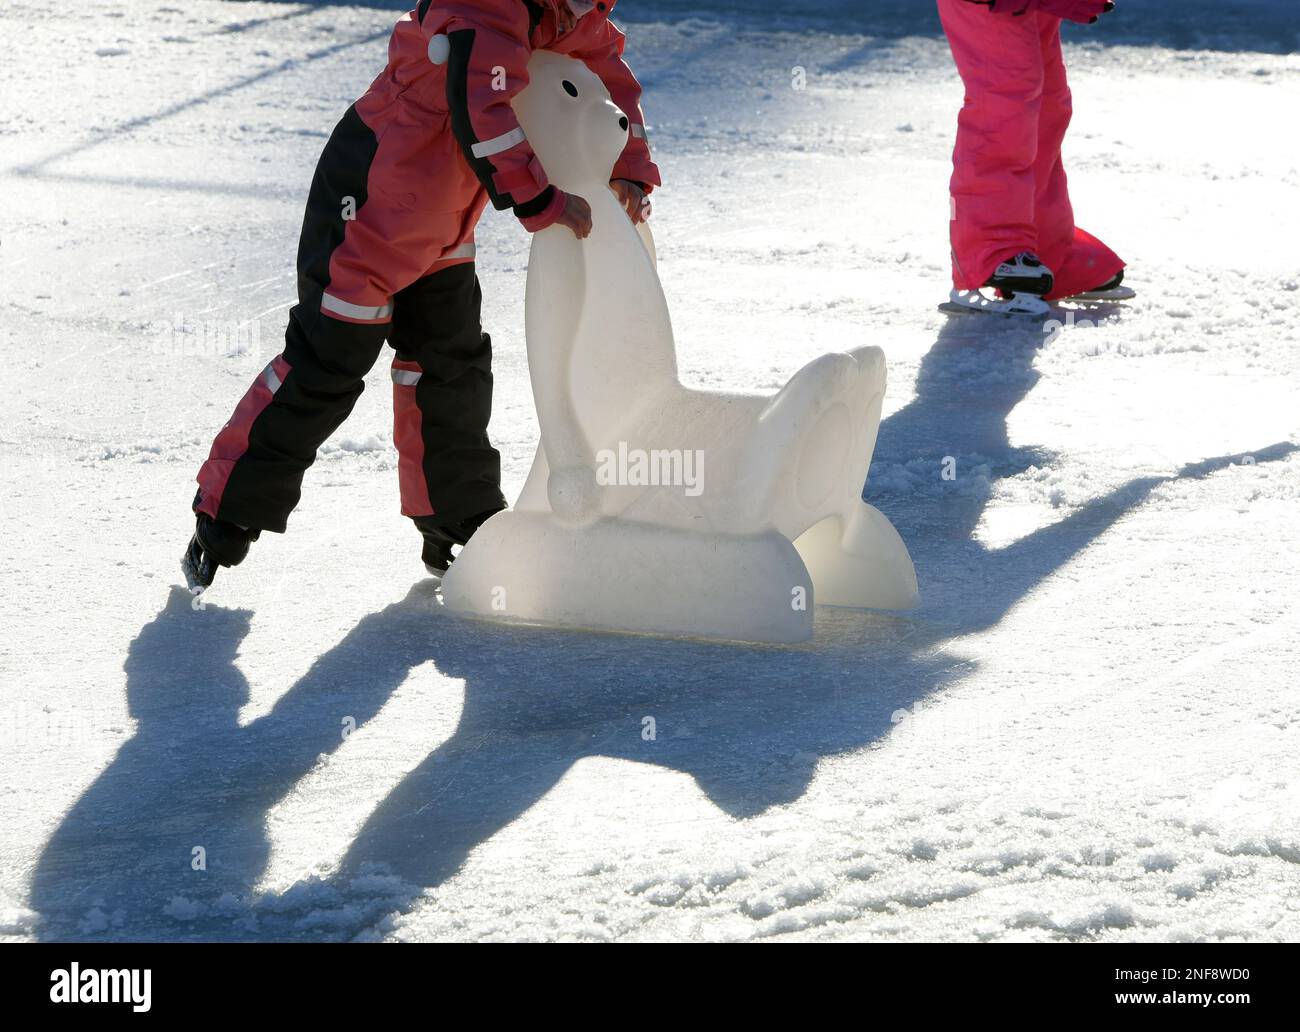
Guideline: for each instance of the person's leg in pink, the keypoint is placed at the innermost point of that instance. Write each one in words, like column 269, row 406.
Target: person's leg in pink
column 1078, row 260
column 993, row 185
column 1009, row 190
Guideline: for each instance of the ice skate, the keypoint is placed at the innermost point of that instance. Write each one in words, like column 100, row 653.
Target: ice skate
column 215, row 543
column 441, row 537
column 1112, row 290
column 1015, row 290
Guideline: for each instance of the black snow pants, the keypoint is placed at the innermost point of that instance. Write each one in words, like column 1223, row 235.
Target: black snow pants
column 370, row 270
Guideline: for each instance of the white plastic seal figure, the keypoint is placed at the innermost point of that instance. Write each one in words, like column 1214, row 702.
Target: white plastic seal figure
column 652, row 507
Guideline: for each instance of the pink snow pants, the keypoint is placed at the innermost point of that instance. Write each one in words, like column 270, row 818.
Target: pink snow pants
column 1009, row 192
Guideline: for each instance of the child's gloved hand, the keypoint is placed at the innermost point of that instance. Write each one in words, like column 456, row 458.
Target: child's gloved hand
column 576, row 216
column 633, row 199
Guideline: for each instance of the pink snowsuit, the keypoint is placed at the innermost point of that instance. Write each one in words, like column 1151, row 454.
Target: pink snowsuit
column 1009, row 191
column 387, row 254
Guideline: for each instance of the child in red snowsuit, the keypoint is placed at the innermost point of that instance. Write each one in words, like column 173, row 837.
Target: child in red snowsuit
column 1012, row 223
column 387, row 254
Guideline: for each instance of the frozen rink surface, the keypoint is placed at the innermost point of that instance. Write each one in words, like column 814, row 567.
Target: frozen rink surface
column 1089, row 730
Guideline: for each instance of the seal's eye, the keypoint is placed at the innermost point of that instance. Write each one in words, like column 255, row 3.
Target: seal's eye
column 569, row 88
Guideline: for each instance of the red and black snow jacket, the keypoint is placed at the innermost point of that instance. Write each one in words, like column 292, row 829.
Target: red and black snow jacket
column 482, row 65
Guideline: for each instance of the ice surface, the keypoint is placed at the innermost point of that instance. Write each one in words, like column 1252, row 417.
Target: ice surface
column 1088, row 730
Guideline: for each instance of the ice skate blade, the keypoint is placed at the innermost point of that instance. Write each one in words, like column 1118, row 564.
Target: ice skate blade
column 975, row 302
column 192, row 584
column 1120, row 293
column 196, row 580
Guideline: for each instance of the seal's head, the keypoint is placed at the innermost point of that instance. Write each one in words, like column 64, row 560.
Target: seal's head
column 574, row 128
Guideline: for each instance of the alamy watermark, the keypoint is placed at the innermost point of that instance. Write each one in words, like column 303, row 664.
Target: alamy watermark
column 218, row 338
column 74, row 984
column 654, row 467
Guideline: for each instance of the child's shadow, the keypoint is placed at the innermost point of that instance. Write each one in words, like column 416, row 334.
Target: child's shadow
column 123, row 862
column 749, row 724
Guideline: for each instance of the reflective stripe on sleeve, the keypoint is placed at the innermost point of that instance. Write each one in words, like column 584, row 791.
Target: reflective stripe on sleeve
column 406, row 377
column 486, row 148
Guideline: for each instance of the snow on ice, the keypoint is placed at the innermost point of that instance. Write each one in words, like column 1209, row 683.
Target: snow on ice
column 1089, row 730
